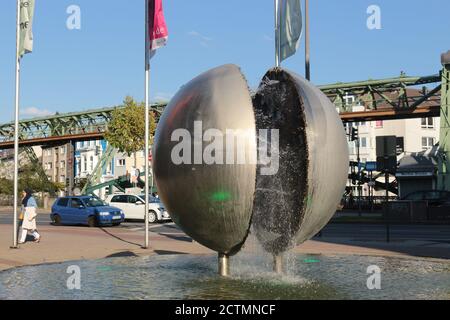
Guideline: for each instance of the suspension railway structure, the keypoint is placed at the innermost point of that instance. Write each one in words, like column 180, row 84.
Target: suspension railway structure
column 383, row 99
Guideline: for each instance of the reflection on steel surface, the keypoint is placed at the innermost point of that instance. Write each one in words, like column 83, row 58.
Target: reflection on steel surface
column 211, row 203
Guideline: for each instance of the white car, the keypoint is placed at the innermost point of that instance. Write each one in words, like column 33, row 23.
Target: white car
column 133, row 206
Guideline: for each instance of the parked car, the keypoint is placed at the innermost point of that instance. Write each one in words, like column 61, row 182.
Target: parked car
column 434, row 197
column 133, row 207
column 85, row 210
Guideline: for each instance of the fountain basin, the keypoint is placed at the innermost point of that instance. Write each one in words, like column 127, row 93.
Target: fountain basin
column 194, row 277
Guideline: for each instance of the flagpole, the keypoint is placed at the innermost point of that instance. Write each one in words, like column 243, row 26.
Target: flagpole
column 307, row 59
column 277, row 35
column 147, row 82
column 16, row 128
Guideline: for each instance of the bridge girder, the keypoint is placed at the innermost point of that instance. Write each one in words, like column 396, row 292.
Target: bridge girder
column 380, row 99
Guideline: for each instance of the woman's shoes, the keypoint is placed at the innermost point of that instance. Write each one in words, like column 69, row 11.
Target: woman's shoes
column 37, row 240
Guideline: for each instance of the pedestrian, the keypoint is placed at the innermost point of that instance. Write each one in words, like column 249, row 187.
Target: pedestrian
column 29, row 217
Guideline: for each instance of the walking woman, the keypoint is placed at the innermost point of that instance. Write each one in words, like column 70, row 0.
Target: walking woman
column 29, row 217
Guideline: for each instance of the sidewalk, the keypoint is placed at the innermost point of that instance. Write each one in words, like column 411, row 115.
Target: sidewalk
column 61, row 244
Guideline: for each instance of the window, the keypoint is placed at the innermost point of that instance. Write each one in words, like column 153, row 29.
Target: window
column 427, row 142
column 119, row 199
column 363, row 142
column 427, row 123
column 62, row 179
column 120, row 162
column 379, row 124
column 85, row 163
column 92, row 163
column 132, row 199
column 94, row 202
column 62, row 164
column 349, row 100
column 63, row 202
column 63, row 150
column 49, row 166
column 76, row 203
column 49, row 152
column 400, row 145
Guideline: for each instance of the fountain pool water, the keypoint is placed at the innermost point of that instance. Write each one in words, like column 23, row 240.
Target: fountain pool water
column 195, row 277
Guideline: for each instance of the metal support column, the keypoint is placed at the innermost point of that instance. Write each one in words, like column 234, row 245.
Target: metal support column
column 444, row 140
column 224, row 265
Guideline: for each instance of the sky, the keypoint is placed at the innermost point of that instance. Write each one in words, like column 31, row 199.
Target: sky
column 101, row 63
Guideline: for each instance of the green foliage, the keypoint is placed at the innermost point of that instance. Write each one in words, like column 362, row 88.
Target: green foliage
column 126, row 130
column 28, row 178
column 6, row 186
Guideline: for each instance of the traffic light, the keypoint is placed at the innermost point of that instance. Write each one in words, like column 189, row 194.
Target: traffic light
column 355, row 133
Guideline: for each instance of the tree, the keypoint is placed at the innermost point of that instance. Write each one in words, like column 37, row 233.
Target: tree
column 28, row 178
column 126, row 130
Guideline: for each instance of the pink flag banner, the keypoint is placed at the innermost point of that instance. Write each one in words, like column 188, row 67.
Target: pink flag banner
column 158, row 33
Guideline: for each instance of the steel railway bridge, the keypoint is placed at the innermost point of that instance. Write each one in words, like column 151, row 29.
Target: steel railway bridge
column 395, row 98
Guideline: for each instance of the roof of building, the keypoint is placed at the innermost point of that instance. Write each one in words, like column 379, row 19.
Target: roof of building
column 419, row 162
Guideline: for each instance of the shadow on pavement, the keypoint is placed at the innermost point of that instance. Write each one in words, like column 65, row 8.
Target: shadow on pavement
column 122, row 254
column 175, row 237
column 165, row 252
column 118, row 238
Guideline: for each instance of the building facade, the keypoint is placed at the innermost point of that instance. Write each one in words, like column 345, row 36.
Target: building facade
column 58, row 165
column 87, row 156
column 413, row 135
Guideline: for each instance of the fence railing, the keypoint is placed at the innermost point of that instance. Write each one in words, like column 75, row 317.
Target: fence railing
column 365, row 203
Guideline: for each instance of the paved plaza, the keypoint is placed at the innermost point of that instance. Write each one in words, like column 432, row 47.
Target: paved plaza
column 66, row 243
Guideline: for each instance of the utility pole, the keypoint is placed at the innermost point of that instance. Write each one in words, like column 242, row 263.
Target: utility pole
column 388, row 231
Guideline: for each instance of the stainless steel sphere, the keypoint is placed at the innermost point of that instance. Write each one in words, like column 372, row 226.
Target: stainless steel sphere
column 212, row 203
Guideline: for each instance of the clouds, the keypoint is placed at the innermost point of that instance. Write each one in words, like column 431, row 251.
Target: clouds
column 162, row 97
column 35, row 112
column 204, row 40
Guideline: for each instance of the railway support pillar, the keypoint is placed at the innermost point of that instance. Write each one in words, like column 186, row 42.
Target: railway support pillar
column 444, row 140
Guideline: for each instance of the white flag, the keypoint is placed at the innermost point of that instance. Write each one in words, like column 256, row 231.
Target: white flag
column 290, row 27
column 26, row 27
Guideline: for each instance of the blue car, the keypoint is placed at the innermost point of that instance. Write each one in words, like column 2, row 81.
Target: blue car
column 85, row 210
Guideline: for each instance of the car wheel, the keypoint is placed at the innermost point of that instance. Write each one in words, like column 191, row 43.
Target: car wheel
column 152, row 217
column 56, row 220
column 91, row 222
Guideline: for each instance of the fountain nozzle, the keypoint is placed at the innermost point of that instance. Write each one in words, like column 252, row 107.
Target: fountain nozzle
column 278, row 263
column 224, row 265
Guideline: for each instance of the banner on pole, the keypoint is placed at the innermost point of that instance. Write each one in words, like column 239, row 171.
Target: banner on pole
column 26, row 27
column 291, row 25
column 158, row 33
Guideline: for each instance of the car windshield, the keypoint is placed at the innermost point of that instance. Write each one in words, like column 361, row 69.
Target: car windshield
column 94, row 202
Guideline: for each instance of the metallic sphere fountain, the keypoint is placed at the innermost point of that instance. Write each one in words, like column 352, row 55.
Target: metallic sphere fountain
column 210, row 162
column 212, row 203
